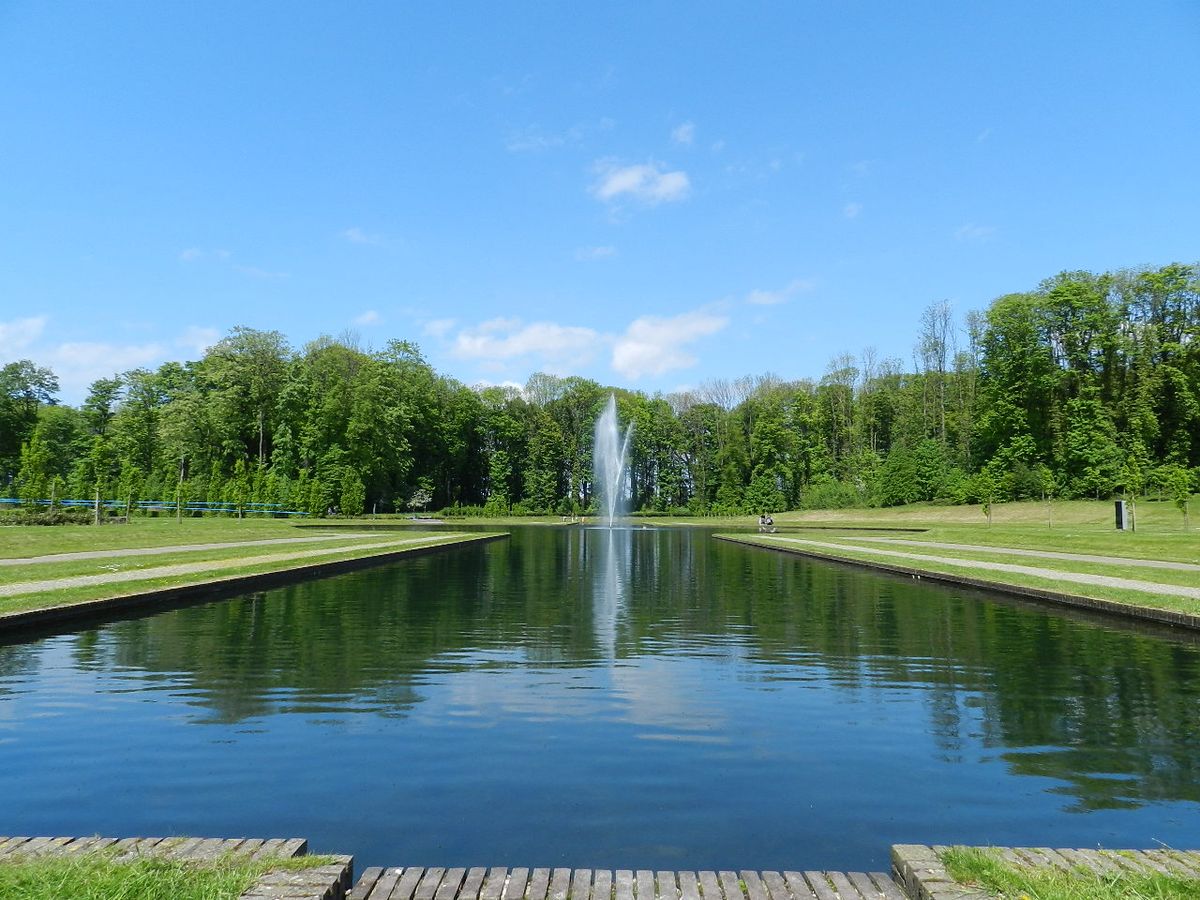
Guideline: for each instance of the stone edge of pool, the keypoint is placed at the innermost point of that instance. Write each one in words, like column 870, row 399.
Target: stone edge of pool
column 1091, row 604
column 216, row 588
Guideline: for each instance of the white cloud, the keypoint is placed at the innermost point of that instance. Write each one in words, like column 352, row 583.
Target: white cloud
column 439, row 328
column 684, row 134
column 198, row 339
column 645, row 182
column 851, row 210
column 974, row 233
column 80, row 363
column 370, row 317
column 862, row 168
column 17, row 334
column 983, row 135
column 554, row 346
column 584, row 254
column 772, row 298
column 652, row 345
column 356, row 235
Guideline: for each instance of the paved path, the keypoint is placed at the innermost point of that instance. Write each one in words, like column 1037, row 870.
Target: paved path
column 1043, row 554
column 178, row 548
column 55, row 584
column 1171, row 590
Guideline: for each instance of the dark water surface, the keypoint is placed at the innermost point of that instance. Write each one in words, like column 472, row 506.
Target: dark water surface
column 633, row 699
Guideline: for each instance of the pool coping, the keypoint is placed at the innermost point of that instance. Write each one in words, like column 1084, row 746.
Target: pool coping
column 220, row 588
column 1108, row 607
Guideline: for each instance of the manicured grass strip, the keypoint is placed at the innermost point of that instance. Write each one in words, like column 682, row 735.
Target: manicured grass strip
column 68, row 595
column 983, row 572
column 984, row 868
column 97, row 876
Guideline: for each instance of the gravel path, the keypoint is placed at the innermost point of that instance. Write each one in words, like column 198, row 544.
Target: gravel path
column 55, row 584
column 178, row 548
column 1043, row 554
column 1130, row 584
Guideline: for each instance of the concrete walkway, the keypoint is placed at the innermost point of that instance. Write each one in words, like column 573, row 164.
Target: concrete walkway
column 56, row 584
column 1150, row 587
column 1042, row 554
column 178, row 548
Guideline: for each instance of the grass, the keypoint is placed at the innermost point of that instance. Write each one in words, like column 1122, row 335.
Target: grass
column 984, row 868
column 23, row 542
column 98, row 876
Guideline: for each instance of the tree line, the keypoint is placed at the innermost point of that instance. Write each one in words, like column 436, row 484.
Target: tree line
column 1087, row 386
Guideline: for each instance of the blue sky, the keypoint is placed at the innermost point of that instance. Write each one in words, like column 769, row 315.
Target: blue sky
column 647, row 194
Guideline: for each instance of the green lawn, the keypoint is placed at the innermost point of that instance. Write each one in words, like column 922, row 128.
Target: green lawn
column 97, row 876
column 26, row 542
column 983, row 868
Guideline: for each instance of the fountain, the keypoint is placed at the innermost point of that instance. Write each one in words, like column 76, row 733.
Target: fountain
column 610, row 455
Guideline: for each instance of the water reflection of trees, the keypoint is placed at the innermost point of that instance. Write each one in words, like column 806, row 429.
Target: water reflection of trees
column 1110, row 713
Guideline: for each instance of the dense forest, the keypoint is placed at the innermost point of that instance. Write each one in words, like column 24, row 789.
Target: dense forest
column 1085, row 387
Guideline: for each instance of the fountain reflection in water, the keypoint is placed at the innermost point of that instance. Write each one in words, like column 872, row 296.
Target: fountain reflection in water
column 610, row 454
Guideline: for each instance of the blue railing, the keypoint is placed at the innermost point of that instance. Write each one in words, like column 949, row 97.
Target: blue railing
column 270, row 509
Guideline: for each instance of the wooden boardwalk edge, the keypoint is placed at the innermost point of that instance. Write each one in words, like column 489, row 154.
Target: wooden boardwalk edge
column 325, row 882
column 1125, row 611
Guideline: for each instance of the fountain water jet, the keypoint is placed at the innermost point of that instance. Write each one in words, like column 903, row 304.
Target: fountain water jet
column 610, row 455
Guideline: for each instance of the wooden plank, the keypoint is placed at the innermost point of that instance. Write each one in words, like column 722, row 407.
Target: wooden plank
column 472, row 884
column 754, row 885
column 624, row 885
column 729, row 884
column 842, row 884
column 294, row 847
column 581, row 885
column 183, row 849
column 689, row 887
column 667, row 888
column 643, row 882
column 11, row 844
column 407, row 884
column 602, row 885
column 79, row 846
column 1181, row 860
column 365, row 882
column 539, row 883
column 493, row 885
column 428, row 884
column 448, row 889
column 35, row 845
column 515, row 888
column 382, row 889
column 888, row 889
column 709, row 886
column 862, row 881
column 819, row 887
column 1098, row 862
column 798, row 885
column 560, row 883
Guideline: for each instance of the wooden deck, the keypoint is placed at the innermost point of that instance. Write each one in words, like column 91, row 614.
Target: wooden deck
column 623, row 884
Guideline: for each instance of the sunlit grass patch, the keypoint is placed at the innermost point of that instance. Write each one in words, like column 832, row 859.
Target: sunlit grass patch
column 984, row 868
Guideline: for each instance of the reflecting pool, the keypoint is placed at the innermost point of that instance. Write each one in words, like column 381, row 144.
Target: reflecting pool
column 646, row 698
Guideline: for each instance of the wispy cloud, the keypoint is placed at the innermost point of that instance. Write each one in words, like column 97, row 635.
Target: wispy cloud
column 77, row 364
column 370, row 317
column 782, row 295
column 438, row 328
column 983, row 135
column 646, row 183
column 264, row 274
column 552, row 346
column 194, row 254
column 535, row 139
column 16, row 335
column 652, row 345
column 974, row 233
column 851, row 210
column 862, row 168
column 356, row 235
column 684, row 134
column 197, row 339
column 587, row 254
